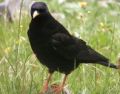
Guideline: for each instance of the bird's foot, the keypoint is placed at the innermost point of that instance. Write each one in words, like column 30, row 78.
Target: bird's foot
column 45, row 88
column 57, row 89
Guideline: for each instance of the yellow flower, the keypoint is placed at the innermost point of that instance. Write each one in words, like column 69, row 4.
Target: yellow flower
column 21, row 39
column 103, row 29
column 102, row 24
column 83, row 4
column 7, row 50
column 89, row 12
column 18, row 41
column 21, row 26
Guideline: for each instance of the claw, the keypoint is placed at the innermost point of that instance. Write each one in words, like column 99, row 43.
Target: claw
column 45, row 86
column 57, row 89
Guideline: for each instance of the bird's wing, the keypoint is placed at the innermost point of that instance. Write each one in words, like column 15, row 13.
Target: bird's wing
column 73, row 48
column 67, row 46
column 91, row 56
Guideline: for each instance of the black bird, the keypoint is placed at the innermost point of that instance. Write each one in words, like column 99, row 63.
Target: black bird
column 56, row 48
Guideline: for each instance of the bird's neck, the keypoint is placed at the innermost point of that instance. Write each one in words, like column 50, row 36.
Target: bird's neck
column 38, row 27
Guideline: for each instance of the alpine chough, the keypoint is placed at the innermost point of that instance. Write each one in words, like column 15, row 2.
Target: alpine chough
column 56, row 48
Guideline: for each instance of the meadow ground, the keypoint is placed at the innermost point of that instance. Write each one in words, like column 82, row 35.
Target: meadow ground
column 21, row 72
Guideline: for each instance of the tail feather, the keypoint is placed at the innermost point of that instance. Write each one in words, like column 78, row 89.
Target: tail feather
column 92, row 56
column 107, row 64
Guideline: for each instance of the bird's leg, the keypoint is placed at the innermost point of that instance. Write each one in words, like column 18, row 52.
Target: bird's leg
column 59, row 89
column 45, row 85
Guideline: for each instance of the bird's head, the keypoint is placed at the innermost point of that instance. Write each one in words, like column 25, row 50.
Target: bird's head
column 38, row 8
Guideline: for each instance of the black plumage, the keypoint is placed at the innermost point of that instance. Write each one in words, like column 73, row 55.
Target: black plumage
column 55, row 47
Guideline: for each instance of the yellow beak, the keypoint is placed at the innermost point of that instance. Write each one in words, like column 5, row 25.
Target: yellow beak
column 35, row 14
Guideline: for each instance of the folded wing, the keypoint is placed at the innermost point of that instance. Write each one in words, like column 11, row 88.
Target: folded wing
column 71, row 47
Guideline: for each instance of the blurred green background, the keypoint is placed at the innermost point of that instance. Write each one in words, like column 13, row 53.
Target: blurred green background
column 96, row 22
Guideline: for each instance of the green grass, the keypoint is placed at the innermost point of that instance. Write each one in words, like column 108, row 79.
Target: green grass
column 21, row 72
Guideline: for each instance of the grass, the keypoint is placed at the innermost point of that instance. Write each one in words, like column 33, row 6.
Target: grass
column 21, row 72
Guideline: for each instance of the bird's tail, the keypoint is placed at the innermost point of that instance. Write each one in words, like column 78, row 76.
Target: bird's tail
column 107, row 64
